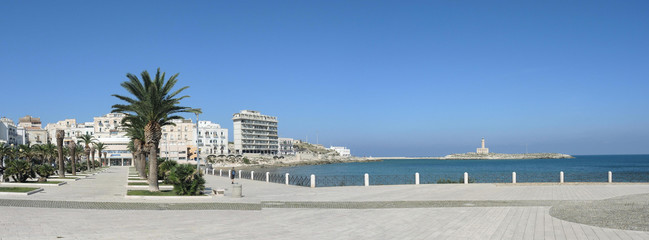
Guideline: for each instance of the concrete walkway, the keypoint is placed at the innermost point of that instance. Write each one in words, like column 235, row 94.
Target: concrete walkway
column 95, row 208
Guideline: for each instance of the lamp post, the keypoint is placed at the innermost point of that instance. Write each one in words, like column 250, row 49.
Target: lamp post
column 198, row 157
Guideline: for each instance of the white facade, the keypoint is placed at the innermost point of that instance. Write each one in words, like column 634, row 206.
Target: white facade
column 255, row 133
column 342, row 151
column 9, row 132
column 212, row 139
column 286, row 146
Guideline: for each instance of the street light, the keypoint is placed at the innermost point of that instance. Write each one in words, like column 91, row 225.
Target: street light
column 198, row 157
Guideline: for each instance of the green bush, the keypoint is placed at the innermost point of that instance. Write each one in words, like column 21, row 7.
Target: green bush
column 44, row 171
column 246, row 160
column 186, row 180
column 164, row 169
column 19, row 170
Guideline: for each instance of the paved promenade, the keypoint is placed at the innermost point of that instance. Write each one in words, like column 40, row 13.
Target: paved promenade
column 95, row 208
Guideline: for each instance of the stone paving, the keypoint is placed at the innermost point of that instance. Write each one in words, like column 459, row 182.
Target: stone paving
column 95, row 208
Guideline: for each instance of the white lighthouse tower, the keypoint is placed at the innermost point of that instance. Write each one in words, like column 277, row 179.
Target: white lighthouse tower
column 482, row 150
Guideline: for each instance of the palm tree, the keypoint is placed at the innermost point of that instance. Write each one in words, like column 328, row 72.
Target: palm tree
column 26, row 152
column 60, row 134
column 100, row 148
column 73, row 157
column 79, row 151
column 155, row 104
column 5, row 151
column 87, row 139
column 134, row 127
column 49, row 151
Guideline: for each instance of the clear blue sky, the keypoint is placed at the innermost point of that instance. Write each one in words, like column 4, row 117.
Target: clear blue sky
column 385, row 78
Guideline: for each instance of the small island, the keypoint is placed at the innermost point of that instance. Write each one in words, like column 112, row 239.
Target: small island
column 483, row 153
column 465, row 156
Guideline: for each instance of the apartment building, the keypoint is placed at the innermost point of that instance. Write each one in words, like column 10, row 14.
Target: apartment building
column 255, row 133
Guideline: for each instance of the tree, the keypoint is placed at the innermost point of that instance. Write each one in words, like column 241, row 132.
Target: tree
column 87, row 140
column 49, row 151
column 73, row 158
column 100, row 148
column 59, row 144
column 154, row 102
column 134, row 127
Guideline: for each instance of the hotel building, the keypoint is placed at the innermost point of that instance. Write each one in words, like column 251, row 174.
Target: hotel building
column 255, row 133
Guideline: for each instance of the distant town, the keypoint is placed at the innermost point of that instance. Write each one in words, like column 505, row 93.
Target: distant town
column 255, row 135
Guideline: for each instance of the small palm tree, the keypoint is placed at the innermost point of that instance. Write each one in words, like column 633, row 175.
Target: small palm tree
column 155, row 103
column 100, row 148
column 50, row 151
column 87, row 140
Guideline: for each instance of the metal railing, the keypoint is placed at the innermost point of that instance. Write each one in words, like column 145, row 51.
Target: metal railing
column 436, row 178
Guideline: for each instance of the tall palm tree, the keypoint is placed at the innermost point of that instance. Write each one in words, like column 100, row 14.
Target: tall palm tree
column 100, row 148
column 60, row 134
column 155, row 103
column 134, row 127
column 79, row 151
column 73, row 157
column 87, row 139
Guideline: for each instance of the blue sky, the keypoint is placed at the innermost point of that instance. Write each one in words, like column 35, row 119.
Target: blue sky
column 385, row 78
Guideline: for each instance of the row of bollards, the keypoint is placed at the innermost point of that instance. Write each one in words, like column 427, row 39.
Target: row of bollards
column 366, row 177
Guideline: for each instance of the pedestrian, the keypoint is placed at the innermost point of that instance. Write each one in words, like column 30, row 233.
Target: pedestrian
column 232, row 173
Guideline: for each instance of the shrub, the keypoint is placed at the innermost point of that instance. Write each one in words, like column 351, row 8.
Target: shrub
column 19, row 170
column 165, row 169
column 44, row 171
column 246, row 160
column 186, row 180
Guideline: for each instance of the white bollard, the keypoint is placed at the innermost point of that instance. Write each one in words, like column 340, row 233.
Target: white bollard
column 267, row 176
column 561, row 177
column 416, row 178
column 220, row 172
column 367, row 179
column 513, row 177
column 610, row 177
column 229, row 174
column 252, row 175
column 240, row 171
column 312, row 180
column 466, row 178
column 286, row 178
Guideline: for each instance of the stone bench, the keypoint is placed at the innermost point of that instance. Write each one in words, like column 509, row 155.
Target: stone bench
column 218, row 192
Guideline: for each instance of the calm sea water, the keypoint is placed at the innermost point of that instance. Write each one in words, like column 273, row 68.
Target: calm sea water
column 625, row 168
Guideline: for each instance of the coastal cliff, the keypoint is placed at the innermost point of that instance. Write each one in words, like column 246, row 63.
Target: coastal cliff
column 505, row 156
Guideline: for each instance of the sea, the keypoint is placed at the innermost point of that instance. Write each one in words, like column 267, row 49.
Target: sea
column 582, row 168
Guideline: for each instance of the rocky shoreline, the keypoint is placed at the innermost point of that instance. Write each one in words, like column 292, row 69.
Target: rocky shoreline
column 492, row 156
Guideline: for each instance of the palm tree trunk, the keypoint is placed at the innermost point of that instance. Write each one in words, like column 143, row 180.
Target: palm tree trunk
column 73, row 158
column 59, row 144
column 141, row 159
column 92, row 160
column 153, row 168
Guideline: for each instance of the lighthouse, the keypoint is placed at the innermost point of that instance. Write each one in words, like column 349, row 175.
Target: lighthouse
column 483, row 149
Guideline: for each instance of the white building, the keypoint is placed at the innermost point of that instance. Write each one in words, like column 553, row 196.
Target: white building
column 212, row 139
column 105, row 129
column 286, row 146
column 9, row 132
column 34, row 132
column 483, row 149
column 342, row 151
column 255, row 133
